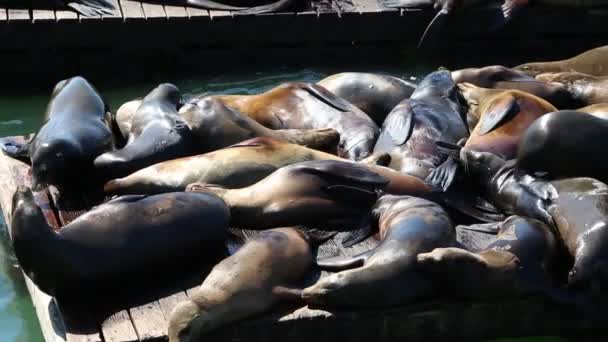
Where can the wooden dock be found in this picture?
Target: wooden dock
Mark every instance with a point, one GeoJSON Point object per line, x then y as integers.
{"type": "Point", "coordinates": [146, 318]}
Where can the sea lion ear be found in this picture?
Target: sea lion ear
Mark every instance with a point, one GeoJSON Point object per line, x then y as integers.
{"type": "Point", "coordinates": [499, 111]}
{"type": "Point", "coordinates": [400, 127]}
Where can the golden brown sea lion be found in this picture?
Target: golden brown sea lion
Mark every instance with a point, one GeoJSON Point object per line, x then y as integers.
{"type": "Point", "coordinates": [600, 110]}
{"type": "Point", "coordinates": [247, 283]}
{"type": "Point", "coordinates": [215, 126]}
{"type": "Point", "coordinates": [593, 62]}
{"type": "Point", "coordinates": [236, 166]}
{"type": "Point", "coordinates": [310, 106]}
{"type": "Point", "coordinates": [375, 94]}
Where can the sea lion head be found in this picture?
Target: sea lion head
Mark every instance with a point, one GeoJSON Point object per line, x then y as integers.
{"type": "Point", "coordinates": [187, 321]}
{"type": "Point", "coordinates": [167, 92]}
{"type": "Point", "coordinates": [53, 162]}
{"type": "Point", "coordinates": [441, 84]}
{"type": "Point", "coordinates": [482, 166]}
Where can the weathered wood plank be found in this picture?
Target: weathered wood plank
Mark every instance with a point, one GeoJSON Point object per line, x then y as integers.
{"type": "Point", "coordinates": [175, 12]}
{"type": "Point", "coordinates": [131, 10]}
{"type": "Point", "coordinates": [153, 11]}
{"type": "Point", "coordinates": [3, 15]}
{"type": "Point", "coordinates": [168, 303]}
{"type": "Point", "coordinates": [119, 328]}
{"type": "Point", "coordinates": [43, 16]}
{"type": "Point", "coordinates": [197, 13]}
{"type": "Point", "coordinates": [215, 15]}
{"type": "Point", "coordinates": [149, 321]}
{"type": "Point", "coordinates": [65, 15]}
{"type": "Point", "coordinates": [18, 15]}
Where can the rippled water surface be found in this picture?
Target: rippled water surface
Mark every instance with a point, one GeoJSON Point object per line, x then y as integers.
{"type": "Point", "coordinates": [22, 114]}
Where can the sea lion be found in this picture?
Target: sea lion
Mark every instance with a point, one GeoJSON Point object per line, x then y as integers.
{"type": "Point", "coordinates": [124, 116]}
{"type": "Point", "coordinates": [592, 62]}
{"type": "Point", "coordinates": [249, 282]}
{"type": "Point", "coordinates": [521, 260]}
{"type": "Point", "coordinates": [236, 166]}
{"type": "Point", "coordinates": [565, 77]}
{"type": "Point", "coordinates": [386, 276]}
{"type": "Point", "coordinates": [238, 6]}
{"type": "Point", "coordinates": [435, 111]}
{"type": "Point", "coordinates": [586, 89]}
{"type": "Point", "coordinates": [500, 77]}
{"type": "Point", "coordinates": [564, 144]}
{"type": "Point", "coordinates": [324, 192]}
{"type": "Point", "coordinates": [87, 8]}
{"type": "Point", "coordinates": [375, 94]}
{"type": "Point", "coordinates": [310, 106]}
{"type": "Point", "coordinates": [77, 129]}
{"type": "Point", "coordinates": [158, 133]}
{"type": "Point", "coordinates": [215, 126]}
{"type": "Point", "coordinates": [599, 110]}
{"type": "Point", "coordinates": [119, 245]}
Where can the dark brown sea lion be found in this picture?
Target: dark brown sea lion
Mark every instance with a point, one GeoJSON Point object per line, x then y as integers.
{"type": "Point", "coordinates": [435, 111]}
{"type": "Point", "coordinates": [565, 144]}
{"type": "Point", "coordinates": [87, 8]}
{"type": "Point", "coordinates": [330, 193]}
{"type": "Point", "coordinates": [522, 260]}
{"type": "Point", "coordinates": [500, 77]}
{"type": "Point", "coordinates": [375, 94]}
{"type": "Point", "coordinates": [386, 276]}
{"type": "Point", "coordinates": [236, 166]}
{"type": "Point", "coordinates": [592, 62]}
{"type": "Point", "coordinates": [310, 106]}
{"type": "Point", "coordinates": [119, 245]}
{"type": "Point", "coordinates": [215, 126]}
{"type": "Point", "coordinates": [247, 283]}
{"type": "Point", "coordinates": [76, 130]}
{"type": "Point", "coordinates": [158, 133]}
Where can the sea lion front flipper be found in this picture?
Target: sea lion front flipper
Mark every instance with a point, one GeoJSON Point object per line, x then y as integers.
{"type": "Point", "coordinates": [490, 228]}
{"type": "Point", "coordinates": [499, 111]}
{"type": "Point", "coordinates": [212, 5]}
{"type": "Point", "coordinates": [342, 263]}
{"type": "Point", "coordinates": [442, 177]}
{"type": "Point", "coordinates": [15, 149]}
{"type": "Point", "coordinates": [400, 127]}
{"type": "Point", "coordinates": [366, 228]}
{"type": "Point", "coordinates": [92, 8]}
{"type": "Point", "coordinates": [269, 8]}
{"type": "Point", "coordinates": [327, 97]}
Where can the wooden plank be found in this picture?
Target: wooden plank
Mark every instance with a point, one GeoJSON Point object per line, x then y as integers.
{"type": "Point", "coordinates": [220, 15]}
{"type": "Point", "coordinates": [119, 328]}
{"type": "Point", "coordinates": [65, 15]}
{"type": "Point", "coordinates": [368, 6]}
{"type": "Point", "coordinates": [168, 303]}
{"type": "Point", "coordinates": [18, 15]}
{"type": "Point", "coordinates": [149, 321]}
{"type": "Point", "coordinates": [131, 10]}
{"type": "Point", "coordinates": [153, 11]}
{"type": "Point", "coordinates": [3, 15]}
{"type": "Point", "coordinates": [39, 16]}
{"type": "Point", "coordinates": [197, 13]}
{"type": "Point", "coordinates": [175, 12]}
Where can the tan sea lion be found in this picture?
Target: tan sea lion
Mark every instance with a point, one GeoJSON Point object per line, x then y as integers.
{"type": "Point", "coordinates": [236, 166]}
{"type": "Point", "coordinates": [330, 193]}
{"type": "Point", "coordinates": [592, 62]}
{"type": "Point", "coordinates": [386, 276]}
{"type": "Point", "coordinates": [124, 114]}
{"type": "Point", "coordinates": [375, 94]}
{"type": "Point", "coordinates": [117, 246]}
{"type": "Point", "coordinates": [599, 110]}
{"type": "Point", "coordinates": [215, 126]}
{"type": "Point", "coordinates": [247, 283]}
{"type": "Point", "coordinates": [310, 106]}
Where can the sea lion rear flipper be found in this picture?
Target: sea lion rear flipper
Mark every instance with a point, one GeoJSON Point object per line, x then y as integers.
{"type": "Point", "coordinates": [400, 127]}
{"type": "Point", "coordinates": [499, 111]}
{"type": "Point", "coordinates": [327, 97]}
{"type": "Point", "coordinates": [490, 228]}
{"type": "Point", "coordinates": [364, 231]}
{"type": "Point", "coordinates": [212, 5]}
{"type": "Point", "coordinates": [342, 263]}
{"type": "Point", "coordinates": [15, 149]}
{"type": "Point", "coordinates": [269, 8]}
{"type": "Point", "coordinates": [92, 8]}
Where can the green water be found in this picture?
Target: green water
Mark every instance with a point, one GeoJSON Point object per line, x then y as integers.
{"type": "Point", "coordinates": [22, 113]}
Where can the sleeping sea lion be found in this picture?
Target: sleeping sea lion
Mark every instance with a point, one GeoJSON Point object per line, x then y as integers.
{"type": "Point", "coordinates": [599, 110]}
{"type": "Point", "coordinates": [236, 166]}
{"type": "Point", "coordinates": [77, 128]}
{"type": "Point", "coordinates": [117, 246]}
{"type": "Point", "coordinates": [158, 133]}
{"type": "Point", "coordinates": [249, 282]}
{"type": "Point", "coordinates": [87, 8]}
{"type": "Point", "coordinates": [330, 193]}
{"type": "Point", "coordinates": [593, 62]}
{"type": "Point", "coordinates": [435, 111]}
{"type": "Point", "coordinates": [310, 106]}
{"type": "Point", "coordinates": [500, 77]}
{"type": "Point", "coordinates": [375, 94]}
{"type": "Point", "coordinates": [386, 276]}
{"type": "Point", "coordinates": [215, 126]}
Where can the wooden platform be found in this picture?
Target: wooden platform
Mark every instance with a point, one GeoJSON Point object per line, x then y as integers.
{"type": "Point", "coordinates": [146, 320]}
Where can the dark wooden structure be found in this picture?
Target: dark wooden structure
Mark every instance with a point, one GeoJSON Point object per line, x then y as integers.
{"type": "Point", "coordinates": [146, 320]}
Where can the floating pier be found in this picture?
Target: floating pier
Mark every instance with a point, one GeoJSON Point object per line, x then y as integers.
{"type": "Point", "coordinates": [145, 319]}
